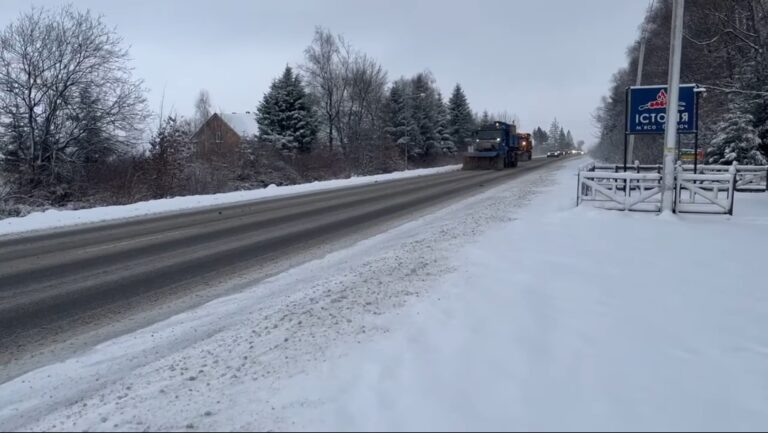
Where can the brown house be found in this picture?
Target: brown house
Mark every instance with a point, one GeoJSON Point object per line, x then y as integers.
{"type": "Point", "coordinates": [222, 134]}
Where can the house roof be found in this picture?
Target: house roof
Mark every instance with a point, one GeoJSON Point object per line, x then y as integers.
{"type": "Point", "coordinates": [243, 123]}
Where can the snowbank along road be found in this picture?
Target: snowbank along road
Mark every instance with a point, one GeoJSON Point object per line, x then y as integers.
{"type": "Point", "coordinates": [59, 289]}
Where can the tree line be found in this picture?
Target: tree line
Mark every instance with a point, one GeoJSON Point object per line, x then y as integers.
{"type": "Point", "coordinates": [724, 50]}
{"type": "Point", "coordinates": [75, 127]}
{"type": "Point", "coordinates": [555, 138]}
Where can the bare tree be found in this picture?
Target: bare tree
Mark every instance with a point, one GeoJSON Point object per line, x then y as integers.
{"type": "Point", "coordinates": [202, 108]}
{"type": "Point", "coordinates": [736, 23]}
{"type": "Point", "coordinates": [66, 93]}
{"type": "Point", "coordinates": [361, 120]}
{"type": "Point", "coordinates": [507, 117]}
{"type": "Point", "coordinates": [327, 71]}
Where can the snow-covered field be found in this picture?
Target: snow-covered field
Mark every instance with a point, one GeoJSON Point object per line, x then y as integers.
{"type": "Point", "coordinates": [511, 310]}
{"type": "Point", "coordinates": [61, 218]}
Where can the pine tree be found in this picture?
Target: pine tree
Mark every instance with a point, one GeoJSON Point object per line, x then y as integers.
{"type": "Point", "coordinates": [301, 119]}
{"type": "Point", "coordinates": [736, 139]}
{"type": "Point", "coordinates": [91, 144]}
{"type": "Point", "coordinates": [569, 143]}
{"type": "Point", "coordinates": [486, 119]}
{"type": "Point", "coordinates": [761, 124]}
{"type": "Point", "coordinates": [553, 136]}
{"type": "Point", "coordinates": [425, 115]}
{"type": "Point", "coordinates": [446, 143]}
{"type": "Point", "coordinates": [400, 125]}
{"type": "Point", "coordinates": [760, 111]}
{"type": "Point", "coordinates": [540, 138]}
{"type": "Point", "coordinates": [285, 117]}
{"type": "Point", "coordinates": [562, 140]}
{"type": "Point", "coordinates": [461, 121]}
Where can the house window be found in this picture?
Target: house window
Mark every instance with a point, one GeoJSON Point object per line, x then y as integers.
{"type": "Point", "coordinates": [218, 137]}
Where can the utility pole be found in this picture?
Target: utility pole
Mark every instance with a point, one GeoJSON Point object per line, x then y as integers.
{"type": "Point", "coordinates": [638, 82]}
{"type": "Point", "coordinates": [673, 99]}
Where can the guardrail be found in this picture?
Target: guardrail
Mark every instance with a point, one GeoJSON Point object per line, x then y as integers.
{"type": "Point", "coordinates": [621, 191]}
{"type": "Point", "coordinates": [749, 178]}
{"type": "Point", "coordinates": [705, 193]}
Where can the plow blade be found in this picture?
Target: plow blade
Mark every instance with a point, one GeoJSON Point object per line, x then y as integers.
{"type": "Point", "coordinates": [482, 163]}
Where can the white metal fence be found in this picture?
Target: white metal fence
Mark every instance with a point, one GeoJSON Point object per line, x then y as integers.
{"type": "Point", "coordinates": [705, 193]}
{"type": "Point", "coordinates": [711, 190]}
{"type": "Point", "coordinates": [621, 191]}
{"type": "Point", "coordinates": [748, 177]}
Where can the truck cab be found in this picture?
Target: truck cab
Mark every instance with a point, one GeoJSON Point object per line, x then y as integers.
{"type": "Point", "coordinates": [496, 145]}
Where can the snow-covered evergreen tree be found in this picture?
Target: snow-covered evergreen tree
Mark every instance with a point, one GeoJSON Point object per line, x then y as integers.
{"type": "Point", "coordinates": [301, 118]}
{"type": "Point", "coordinates": [761, 126]}
{"type": "Point", "coordinates": [285, 117]}
{"type": "Point", "coordinates": [91, 145]}
{"type": "Point", "coordinates": [485, 119]}
{"type": "Point", "coordinates": [540, 138]}
{"type": "Point", "coordinates": [417, 117]}
{"type": "Point", "coordinates": [760, 110]}
{"type": "Point", "coordinates": [400, 125]}
{"type": "Point", "coordinates": [736, 139]}
{"type": "Point", "coordinates": [446, 143]}
{"type": "Point", "coordinates": [425, 114]}
{"type": "Point", "coordinates": [553, 136]}
{"type": "Point", "coordinates": [461, 121]}
{"type": "Point", "coordinates": [562, 140]}
{"type": "Point", "coordinates": [569, 143]}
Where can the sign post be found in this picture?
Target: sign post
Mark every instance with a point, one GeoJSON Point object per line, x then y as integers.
{"type": "Point", "coordinates": [626, 127]}
{"type": "Point", "coordinates": [671, 131]}
{"type": "Point", "coordinates": [698, 91]}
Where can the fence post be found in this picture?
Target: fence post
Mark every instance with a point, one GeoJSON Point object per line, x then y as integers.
{"type": "Point", "coordinates": [626, 191]}
{"type": "Point", "coordinates": [678, 186]}
{"type": "Point", "coordinates": [637, 166]}
{"type": "Point", "coordinates": [578, 190]}
{"type": "Point", "coordinates": [766, 178]}
{"type": "Point", "coordinates": [732, 189]}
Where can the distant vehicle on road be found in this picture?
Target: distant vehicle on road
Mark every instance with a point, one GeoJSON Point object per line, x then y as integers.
{"type": "Point", "coordinates": [554, 154]}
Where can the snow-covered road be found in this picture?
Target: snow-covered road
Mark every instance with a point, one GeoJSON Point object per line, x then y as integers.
{"type": "Point", "coordinates": [511, 310]}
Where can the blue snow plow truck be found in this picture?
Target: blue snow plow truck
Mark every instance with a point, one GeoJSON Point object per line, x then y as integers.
{"type": "Point", "coordinates": [497, 146]}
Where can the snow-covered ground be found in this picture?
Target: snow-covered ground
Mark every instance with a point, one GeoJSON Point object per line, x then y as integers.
{"type": "Point", "coordinates": [61, 218]}
{"type": "Point", "coordinates": [511, 310]}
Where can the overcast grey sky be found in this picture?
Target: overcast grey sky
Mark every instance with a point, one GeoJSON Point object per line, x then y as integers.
{"type": "Point", "coordinates": [535, 58]}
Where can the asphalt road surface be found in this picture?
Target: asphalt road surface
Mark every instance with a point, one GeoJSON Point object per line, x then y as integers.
{"type": "Point", "coordinates": [60, 290]}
